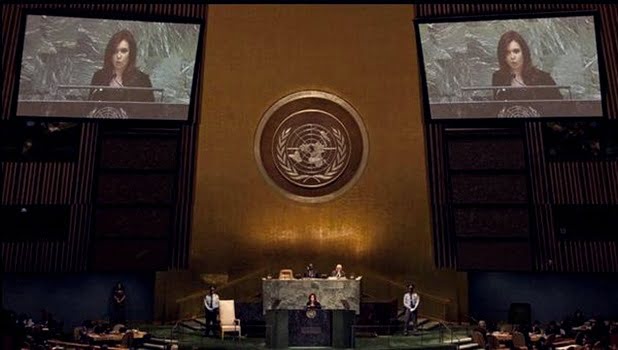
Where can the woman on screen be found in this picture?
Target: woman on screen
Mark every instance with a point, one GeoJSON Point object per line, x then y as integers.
{"type": "Point", "coordinates": [517, 71]}
{"type": "Point", "coordinates": [119, 71]}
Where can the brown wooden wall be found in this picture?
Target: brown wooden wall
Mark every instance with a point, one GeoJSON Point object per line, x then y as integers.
{"type": "Point", "coordinates": [73, 183]}
{"type": "Point", "coordinates": [550, 183]}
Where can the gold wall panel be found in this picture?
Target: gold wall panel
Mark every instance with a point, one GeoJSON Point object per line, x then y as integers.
{"type": "Point", "coordinates": [366, 54]}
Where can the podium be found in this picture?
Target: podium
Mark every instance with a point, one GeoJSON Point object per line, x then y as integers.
{"type": "Point", "coordinates": [103, 109]}
{"type": "Point", "coordinates": [290, 324]}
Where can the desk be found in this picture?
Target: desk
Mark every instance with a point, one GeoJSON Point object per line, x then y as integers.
{"type": "Point", "coordinates": [507, 337]}
{"type": "Point", "coordinates": [112, 337]}
{"type": "Point", "coordinates": [71, 345]}
{"type": "Point", "coordinates": [333, 294]}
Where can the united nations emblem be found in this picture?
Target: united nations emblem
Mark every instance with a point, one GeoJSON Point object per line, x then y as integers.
{"type": "Point", "coordinates": [518, 111]}
{"type": "Point", "coordinates": [311, 145]}
{"type": "Point", "coordinates": [108, 113]}
{"type": "Point", "coordinates": [311, 313]}
{"type": "Point", "coordinates": [311, 155]}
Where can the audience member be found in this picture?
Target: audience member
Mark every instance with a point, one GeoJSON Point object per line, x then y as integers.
{"type": "Point", "coordinates": [481, 328]}
{"type": "Point", "coordinates": [536, 327]}
{"type": "Point", "coordinates": [79, 333]}
{"type": "Point", "coordinates": [567, 325]}
{"type": "Point", "coordinates": [578, 318]}
{"type": "Point", "coordinates": [599, 332]}
{"type": "Point", "coordinates": [552, 328]}
{"type": "Point", "coordinates": [525, 330]}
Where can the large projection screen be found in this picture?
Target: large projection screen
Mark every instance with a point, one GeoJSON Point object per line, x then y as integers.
{"type": "Point", "coordinates": [526, 67]}
{"type": "Point", "coordinates": [108, 68]}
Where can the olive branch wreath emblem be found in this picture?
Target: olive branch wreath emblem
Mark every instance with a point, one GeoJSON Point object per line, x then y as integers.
{"type": "Point", "coordinates": [331, 171]}
{"type": "Point", "coordinates": [108, 113]}
{"type": "Point", "coordinates": [518, 111]}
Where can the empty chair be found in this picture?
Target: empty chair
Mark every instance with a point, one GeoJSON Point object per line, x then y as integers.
{"type": "Point", "coordinates": [613, 340]}
{"type": "Point", "coordinates": [227, 317]}
{"type": "Point", "coordinates": [549, 341]}
{"type": "Point", "coordinates": [506, 327]}
{"type": "Point", "coordinates": [493, 343]}
{"type": "Point", "coordinates": [478, 338]}
{"type": "Point", "coordinates": [519, 341]}
{"type": "Point", "coordinates": [286, 274]}
{"type": "Point", "coordinates": [127, 340]}
{"type": "Point", "coordinates": [579, 338]}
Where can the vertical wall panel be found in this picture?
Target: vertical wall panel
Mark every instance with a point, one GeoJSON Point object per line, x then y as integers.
{"type": "Point", "coordinates": [444, 249]}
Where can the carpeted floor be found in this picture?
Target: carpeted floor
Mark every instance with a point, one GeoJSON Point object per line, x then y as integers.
{"type": "Point", "coordinates": [188, 339]}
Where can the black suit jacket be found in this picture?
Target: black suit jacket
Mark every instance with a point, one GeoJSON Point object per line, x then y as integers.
{"type": "Point", "coordinates": [134, 78]}
{"type": "Point", "coordinates": [311, 274]}
{"type": "Point", "coordinates": [334, 273]}
{"type": "Point", "coordinates": [533, 77]}
{"type": "Point", "coordinates": [317, 305]}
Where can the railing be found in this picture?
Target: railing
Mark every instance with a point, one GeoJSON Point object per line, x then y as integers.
{"type": "Point", "coordinates": [443, 323]}
{"type": "Point", "coordinates": [385, 337]}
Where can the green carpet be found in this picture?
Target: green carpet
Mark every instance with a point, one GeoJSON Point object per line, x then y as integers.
{"type": "Point", "coordinates": [188, 339]}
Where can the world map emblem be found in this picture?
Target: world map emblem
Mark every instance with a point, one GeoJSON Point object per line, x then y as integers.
{"type": "Point", "coordinates": [311, 146]}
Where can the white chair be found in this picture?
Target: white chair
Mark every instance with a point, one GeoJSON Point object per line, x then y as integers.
{"type": "Point", "coordinates": [478, 338]}
{"type": "Point", "coordinates": [519, 341]}
{"type": "Point", "coordinates": [286, 274]}
{"type": "Point", "coordinates": [227, 317]}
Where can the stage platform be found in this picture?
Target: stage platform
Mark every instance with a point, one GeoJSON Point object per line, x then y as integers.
{"type": "Point", "coordinates": [437, 338]}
